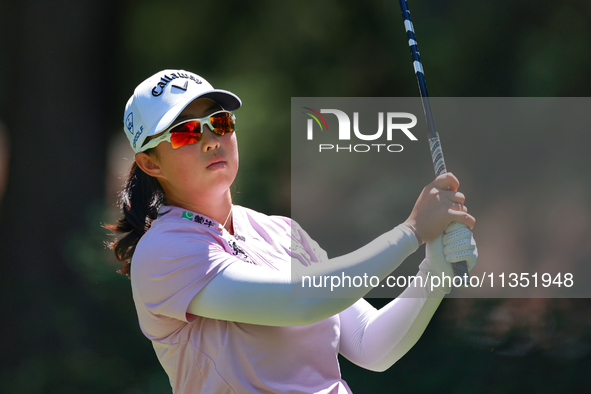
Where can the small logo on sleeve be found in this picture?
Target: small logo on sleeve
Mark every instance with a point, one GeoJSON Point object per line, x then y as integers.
{"type": "Point", "coordinates": [187, 215]}
{"type": "Point", "coordinates": [238, 252]}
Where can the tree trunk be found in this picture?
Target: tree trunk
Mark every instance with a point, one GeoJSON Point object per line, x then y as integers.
{"type": "Point", "coordinates": [56, 81]}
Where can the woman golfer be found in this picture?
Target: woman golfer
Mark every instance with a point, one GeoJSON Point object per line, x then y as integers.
{"type": "Point", "coordinates": [212, 281]}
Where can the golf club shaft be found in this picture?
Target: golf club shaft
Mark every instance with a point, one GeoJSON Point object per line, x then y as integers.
{"type": "Point", "coordinates": [460, 268]}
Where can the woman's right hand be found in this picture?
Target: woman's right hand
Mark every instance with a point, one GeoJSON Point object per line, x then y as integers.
{"type": "Point", "coordinates": [437, 207]}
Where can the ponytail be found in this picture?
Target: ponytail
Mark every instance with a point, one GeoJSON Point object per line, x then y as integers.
{"type": "Point", "coordinates": [141, 198]}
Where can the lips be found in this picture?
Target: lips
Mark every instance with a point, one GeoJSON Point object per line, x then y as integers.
{"type": "Point", "coordinates": [216, 162]}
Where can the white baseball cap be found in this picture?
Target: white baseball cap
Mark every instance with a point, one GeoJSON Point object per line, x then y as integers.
{"type": "Point", "coordinates": [158, 101]}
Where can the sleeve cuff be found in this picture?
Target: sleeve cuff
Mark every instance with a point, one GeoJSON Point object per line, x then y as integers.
{"type": "Point", "coordinates": [409, 237]}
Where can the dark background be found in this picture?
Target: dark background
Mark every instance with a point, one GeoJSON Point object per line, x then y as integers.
{"type": "Point", "coordinates": [68, 67]}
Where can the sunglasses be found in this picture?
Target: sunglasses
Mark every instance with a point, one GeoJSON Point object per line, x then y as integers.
{"type": "Point", "coordinates": [189, 132]}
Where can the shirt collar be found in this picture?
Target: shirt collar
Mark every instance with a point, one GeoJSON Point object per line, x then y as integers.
{"type": "Point", "coordinates": [197, 218]}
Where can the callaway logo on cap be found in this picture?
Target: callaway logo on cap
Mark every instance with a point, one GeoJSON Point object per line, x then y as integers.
{"type": "Point", "coordinates": [158, 100]}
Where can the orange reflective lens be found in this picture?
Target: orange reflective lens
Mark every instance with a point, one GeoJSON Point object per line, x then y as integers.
{"type": "Point", "coordinates": [189, 132]}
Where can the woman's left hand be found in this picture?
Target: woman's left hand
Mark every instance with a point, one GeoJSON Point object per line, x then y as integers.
{"type": "Point", "coordinates": [454, 245]}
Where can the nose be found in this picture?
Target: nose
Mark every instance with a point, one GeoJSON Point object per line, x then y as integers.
{"type": "Point", "coordinates": [209, 140]}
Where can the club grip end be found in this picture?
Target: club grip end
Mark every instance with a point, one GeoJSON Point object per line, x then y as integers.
{"type": "Point", "coordinates": [461, 270]}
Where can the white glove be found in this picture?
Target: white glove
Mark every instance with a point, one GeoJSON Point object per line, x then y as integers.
{"type": "Point", "coordinates": [455, 244]}
{"type": "Point", "coordinates": [460, 245]}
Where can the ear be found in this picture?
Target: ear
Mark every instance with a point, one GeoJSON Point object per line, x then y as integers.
{"type": "Point", "coordinates": [148, 164]}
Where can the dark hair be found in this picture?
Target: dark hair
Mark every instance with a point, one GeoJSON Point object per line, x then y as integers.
{"type": "Point", "coordinates": [141, 198]}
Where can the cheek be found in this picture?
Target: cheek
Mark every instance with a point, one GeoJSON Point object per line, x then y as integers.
{"type": "Point", "coordinates": [230, 149]}
{"type": "Point", "coordinates": [176, 165]}
{"type": "Point", "coordinates": [234, 145]}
